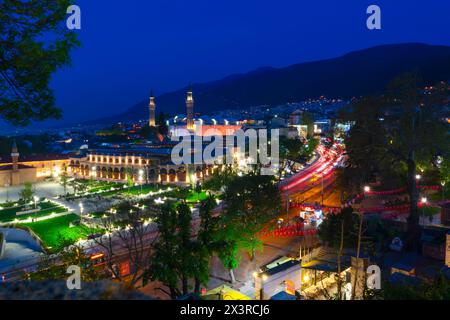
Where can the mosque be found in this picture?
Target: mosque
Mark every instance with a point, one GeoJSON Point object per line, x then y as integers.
{"type": "Point", "coordinates": [147, 163]}
{"type": "Point", "coordinates": [181, 124]}
{"type": "Point", "coordinates": [152, 163]}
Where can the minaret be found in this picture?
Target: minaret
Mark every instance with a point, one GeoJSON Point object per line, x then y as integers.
{"type": "Point", "coordinates": [151, 108]}
{"type": "Point", "coordinates": [15, 157]}
{"type": "Point", "coordinates": [190, 109]}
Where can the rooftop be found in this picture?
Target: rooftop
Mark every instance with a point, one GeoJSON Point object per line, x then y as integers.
{"type": "Point", "coordinates": [35, 158]}
{"type": "Point", "coordinates": [9, 167]}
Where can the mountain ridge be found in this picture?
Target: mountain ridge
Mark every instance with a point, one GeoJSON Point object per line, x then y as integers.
{"type": "Point", "coordinates": [356, 73]}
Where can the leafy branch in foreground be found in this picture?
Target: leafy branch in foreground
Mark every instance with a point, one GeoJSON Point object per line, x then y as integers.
{"type": "Point", "coordinates": [34, 43]}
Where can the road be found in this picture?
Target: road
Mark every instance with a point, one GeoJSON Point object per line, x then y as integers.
{"type": "Point", "coordinates": [308, 185]}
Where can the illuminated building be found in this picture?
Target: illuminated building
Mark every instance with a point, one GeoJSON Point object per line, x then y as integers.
{"type": "Point", "coordinates": [284, 274]}
{"type": "Point", "coordinates": [182, 125]}
{"type": "Point", "coordinates": [143, 165]}
{"type": "Point", "coordinates": [30, 168]}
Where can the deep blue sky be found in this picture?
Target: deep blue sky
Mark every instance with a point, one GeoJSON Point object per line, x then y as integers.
{"type": "Point", "coordinates": [129, 47]}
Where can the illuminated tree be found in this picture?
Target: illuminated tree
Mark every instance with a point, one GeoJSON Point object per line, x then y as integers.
{"type": "Point", "coordinates": [250, 203]}
{"type": "Point", "coordinates": [26, 194]}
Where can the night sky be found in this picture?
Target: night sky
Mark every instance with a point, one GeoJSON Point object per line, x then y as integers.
{"type": "Point", "coordinates": [129, 47]}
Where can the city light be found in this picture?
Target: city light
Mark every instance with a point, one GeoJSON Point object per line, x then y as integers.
{"type": "Point", "coordinates": [189, 185]}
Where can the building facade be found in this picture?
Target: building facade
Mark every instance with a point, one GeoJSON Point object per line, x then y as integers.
{"type": "Point", "coordinates": [142, 166]}
{"type": "Point", "coordinates": [16, 170]}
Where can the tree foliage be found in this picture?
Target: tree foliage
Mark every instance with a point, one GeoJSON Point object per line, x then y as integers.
{"type": "Point", "coordinates": [70, 254]}
{"type": "Point", "coordinates": [394, 133]}
{"type": "Point", "coordinates": [26, 194]}
{"type": "Point", "coordinates": [328, 229]}
{"type": "Point", "coordinates": [163, 263]}
{"type": "Point", "coordinates": [220, 179]}
{"type": "Point", "coordinates": [437, 289]}
{"type": "Point", "coordinates": [250, 203]}
{"type": "Point", "coordinates": [34, 43]}
{"type": "Point", "coordinates": [178, 257]}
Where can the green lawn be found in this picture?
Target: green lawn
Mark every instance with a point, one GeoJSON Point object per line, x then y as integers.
{"type": "Point", "coordinates": [9, 204]}
{"type": "Point", "coordinates": [134, 191]}
{"type": "Point", "coordinates": [47, 208]}
{"type": "Point", "coordinates": [54, 231]}
{"type": "Point", "coordinates": [197, 196]}
{"type": "Point", "coordinates": [104, 186]}
{"type": "Point", "coordinates": [187, 194]}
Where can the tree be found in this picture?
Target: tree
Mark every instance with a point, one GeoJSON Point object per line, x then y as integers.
{"type": "Point", "coordinates": [308, 121]}
{"type": "Point", "coordinates": [228, 254]}
{"type": "Point", "coordinates": [64, 180]}
{"type": "Point", "coordinates": [444, 170]}
{"type": "Point", "coordinates": [185, 245]}
{"type": "Point", "coordinates": [162, 125]}
{"type": "Point", "coordinates": [75, 186]}
{"type": "Point", "coordinates": [250, 203]}
{"type": "Point", "coordinates": [177, 256]}
{"type": "Point", "coordinates": [70, 254]}
{"type": "Point", "coordinates": [26, 194]}
{"type": "Point", "coordinates": [163, 265]}
{"type": "Point", "coordinates": [437, 289]}
{"type": "Point", "coordinates": [204, 246]}
{"type": "Point", "coordinates": [340, 231]}
{"type": "Point", "coordinates": [220, 179]}
{"type": "Point", "coordinates": [27, 62]}
{"type": "Point", "coordinates": [291, 148]}
{"type": "Point", "coordinates": [126, 235]}
{"type": "Point", "coordinates": [395, 133]}
{"type": "Point", "coordinates": [129, 173]}
{"type": "Point", "coordinates": [332, 222]}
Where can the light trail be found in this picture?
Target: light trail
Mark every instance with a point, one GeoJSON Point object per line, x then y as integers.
{"type": "Point", "coordinates": [324, 166]}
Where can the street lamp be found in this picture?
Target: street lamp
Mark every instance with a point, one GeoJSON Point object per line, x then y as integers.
{"type": "Point", "coordinates": [193, 180]}
{"type": "Point", "coordinates": [443, 189]}
{"type": "Point", "coordinates": [418, 177]}
{"type": "Point", "coordinates": [35, 198]}
{"type": "Point", "coordinates": [141, 178]}
{"type": "Point", "coordinates": [93, 172]}
{"type": "Point", "coordinates": [423, 201]}
{"type": "Point", "coordinates": [366, 189]}
{"type": "Point", "coordinates": [81, 211]}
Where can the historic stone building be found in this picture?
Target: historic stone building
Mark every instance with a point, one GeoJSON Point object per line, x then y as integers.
{"type": "Point", "coordinates": [148, 164]}
{"type": "Point", "coordinates": [142, 165]}
{"type": "Point", "coordinates": [15, 171]}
